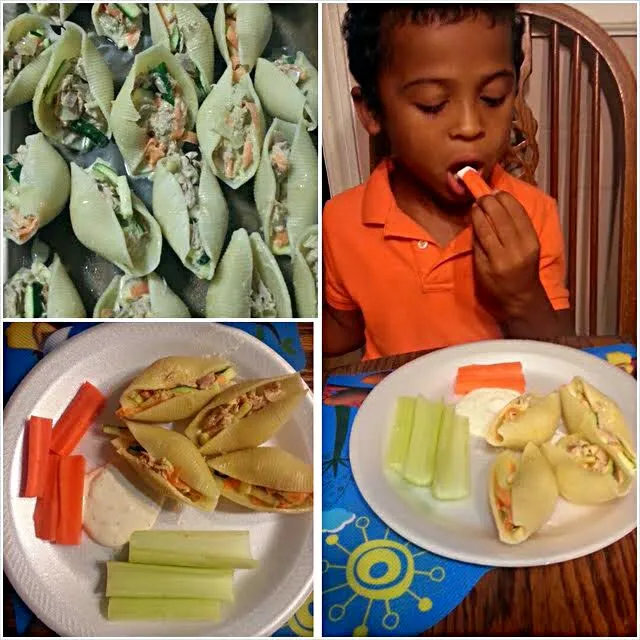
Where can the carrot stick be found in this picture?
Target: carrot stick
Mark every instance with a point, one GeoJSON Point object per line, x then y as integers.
{"type": "Point", "coordinates": [38, 434]}
{"type": "Point", "coordinates": [45, 516]}
{"type": "Point", "coordinates": [71, 486]}
{"type": "Point", "coordinates": [487, 370]}
{"type": "Point", "coordinates": [76, 419]}
{"type": "Point", "coordinates": [503, 375]}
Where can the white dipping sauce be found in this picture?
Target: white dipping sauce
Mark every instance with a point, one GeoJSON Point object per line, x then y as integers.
{"type": "Point", "coordinates": [114, 508]}
{"type": "Point", "coordinates": [481, 406]}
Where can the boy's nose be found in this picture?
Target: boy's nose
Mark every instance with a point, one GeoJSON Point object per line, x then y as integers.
{"type": "Point", "coordinates": [468, 125]}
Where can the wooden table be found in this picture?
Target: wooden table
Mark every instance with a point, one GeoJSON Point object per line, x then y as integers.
{"type": "Point", "coordinates": [37, 628]}
{"type": "Point", "coordinates": [591, 596]}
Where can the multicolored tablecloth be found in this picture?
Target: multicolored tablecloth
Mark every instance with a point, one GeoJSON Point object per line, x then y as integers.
{"type": "Point", "coordinates": [374, 582]}
{"type": "Point", "coordinates": [26, 343]}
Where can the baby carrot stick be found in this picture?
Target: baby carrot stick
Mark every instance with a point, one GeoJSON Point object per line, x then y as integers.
{"type": "Point", "coordinates": [71, 486]}
{"type": "Point", "coordinates": [474, 182]}
{"type": "Point", "coordinates": [76, 419]}
{"type": "Point", "coordinates": [38, 434]}
{"type": "Point", "coordinates": [504, 375]}
{"type": "Point", "coordinates": [45, 516]}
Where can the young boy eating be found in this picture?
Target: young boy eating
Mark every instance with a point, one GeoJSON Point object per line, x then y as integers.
{"type": "Point", "coordinates": [411, 260]}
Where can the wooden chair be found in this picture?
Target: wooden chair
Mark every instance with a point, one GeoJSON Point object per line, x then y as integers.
{"type": "Point", "coordinates": [589, 43]}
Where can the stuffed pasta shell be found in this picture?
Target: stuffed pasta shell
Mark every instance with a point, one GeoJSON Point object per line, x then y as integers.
{"type": "Point", "coordinates": [286, 186]}
{"type": "Point", "coordinates": [112, 221]}
{"type": "Point", "coordinates": [248, 282]}
{"type": "Point", "coordinates": [192, 212]}
{"type": "Point", "coordinates": [72, 101]}
{"type": "Point", "coordinates": [288, 88]}
{"type": "Point", "coordinates": [54, 12]}
{"type": "Point", "coordinates": [155, 111]}
{"type": "Point", "coordinates": [36, 187]}
{"type": "Point", "coordinates": [230, 129]}
{"type": "Point", "coordinates": [305, 273]}
{"type": "Point", "coordinates": [121, 23]}
{"type": "Point", "coordinates": [42, 291]}
{"type": "Point", "coordinates": [183, 29]}
{"type": "Point", "coordinates": [27, 49]}
{"type": "Point", "coordinates": [139, 297]}
{"type": "Point", "coordinates": [242, 32]}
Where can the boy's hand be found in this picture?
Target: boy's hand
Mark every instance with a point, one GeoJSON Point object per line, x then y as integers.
{"type": "Point", "coordinates": [506, 254]}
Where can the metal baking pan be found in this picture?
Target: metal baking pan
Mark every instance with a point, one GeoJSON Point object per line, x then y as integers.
{"type": "Point", "coordinates": [295, 28]}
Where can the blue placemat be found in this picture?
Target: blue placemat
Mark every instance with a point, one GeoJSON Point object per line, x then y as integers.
{"type": "Point", "coordinates": [374, 582]}
{"type": "Point", "coordinates": [26, 343]}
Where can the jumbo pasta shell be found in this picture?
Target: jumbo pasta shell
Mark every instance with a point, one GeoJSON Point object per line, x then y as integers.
{"type": "Point", "coordinates": [171, 211]}
{"type": "Point", "coordinates": [64, 10]}
{"type": "Point", "coordinates": [97, 25]}
{"type": "Point", "coordinates": [210, 125]}
{"type": "Point", "coordinates": [282, 98]}
{"type": "Point", "coordinates": [164, 302]}
{"type": "Point", "coordinates": [536, 423]}
{"type": "Point", "coordinates": [579, 398]}
{"type": "Point", "coordinates": [44, 184]}
{"type": "Point", "coordinates": [255, 429]}
{"type": "Point", "coordinates": [129, 136]}
{"type": "Point", "coordinates": [181, 453]}
{"type": "Point", "coordinates": [74, 43]}
{"type": "Point", "coordinates": [23, 86]}
{"type": "Point", "coordinates": [305, 282]}
{"type": "Point", "coordinates": [254, 24]}
{"type": "Point", "coordinates": [198, 37]}
{"type": "Point", "coordinates": [171, 372]}
{"type": "Point", "coordinates": [266, 268]}
{"type": "Point", "coordinates": [581, 485]}
{"type": "Point", "coordinates": [301, 184]}
{"type": "Point", "coordinates": [64, 300]}
{"type": "Point", "coordinates": [534, 493]}
{"type": "Point", "coordinates": [269, 467]}
{"type": "Point", "coordinates": [96, 225]}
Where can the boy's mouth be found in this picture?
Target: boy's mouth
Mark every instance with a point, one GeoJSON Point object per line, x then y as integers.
{"type": "Point", "coordinates": [456, 186]}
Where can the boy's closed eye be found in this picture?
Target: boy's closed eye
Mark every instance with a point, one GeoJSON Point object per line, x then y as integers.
{"type": "Point", "coordinates": [433, 109]}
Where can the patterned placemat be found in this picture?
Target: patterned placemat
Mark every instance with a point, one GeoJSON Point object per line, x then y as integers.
{"type": "Point", "coordinates": [374, 582]}
{"type": "Point", "coordinates": [26, 343]}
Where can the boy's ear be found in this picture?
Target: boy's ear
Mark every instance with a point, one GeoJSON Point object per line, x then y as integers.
{"type": "Point", "coordinates": [368, 118]}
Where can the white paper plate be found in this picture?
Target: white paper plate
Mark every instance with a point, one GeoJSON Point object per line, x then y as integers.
{"type": "Point", "coordinates": [64, 586]}
{"type": "Point", "coordinates": [464, 530]}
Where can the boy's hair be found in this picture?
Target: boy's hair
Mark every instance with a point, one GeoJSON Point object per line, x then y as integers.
{"type": "Point", "coordinates": [365, 29]}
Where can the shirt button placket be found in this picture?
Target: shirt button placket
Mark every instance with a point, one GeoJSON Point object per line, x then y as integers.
{"type": "Point", "coordinates": [424, 275]}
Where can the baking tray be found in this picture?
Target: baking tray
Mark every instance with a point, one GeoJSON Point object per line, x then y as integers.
{"type": "Point", "coordinates": [295, 27]}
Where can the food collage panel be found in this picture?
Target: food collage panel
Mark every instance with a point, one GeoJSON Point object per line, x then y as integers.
{"type": "Point", "coordinates": [160, 165]}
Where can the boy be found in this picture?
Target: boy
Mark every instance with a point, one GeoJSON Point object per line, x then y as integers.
{"type": "Point", "coordinates": [411, 262]}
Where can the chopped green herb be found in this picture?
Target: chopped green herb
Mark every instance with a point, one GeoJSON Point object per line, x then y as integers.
{"type": "Point", "coordinates": [13, 166]}
{"type": "Point", "coordinates": [87, 130]}
{"type": "Point", "coordinates": [163, 73]}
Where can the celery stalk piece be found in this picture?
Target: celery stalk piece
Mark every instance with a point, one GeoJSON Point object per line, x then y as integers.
{"type": "Point", "coordinates": [400, 433]}
{"type": "Point", "coordinates": [419, 464]}
{"type": "Point", "coordinates": [163, 609]}
{"type": "Point", "coordinates": [205, 549]}
{"type": "Point", "coordinates": [452, 476]}
{"type": "Point", "coordinates": [129, 580]}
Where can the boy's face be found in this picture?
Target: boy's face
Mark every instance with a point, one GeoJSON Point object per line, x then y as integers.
{"type": "Point", "coordinates": [447, 94]}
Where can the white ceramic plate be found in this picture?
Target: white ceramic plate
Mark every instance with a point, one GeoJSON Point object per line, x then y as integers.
{"type": "Point", "coordinates": [464, 530]}
{"type": "Point", "coordinates": [64, 586]}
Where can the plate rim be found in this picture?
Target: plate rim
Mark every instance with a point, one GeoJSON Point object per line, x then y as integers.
{"type": "Point", "coordinates": [505, 345]}
{"type": "Point", "coordinates": [12, 546]}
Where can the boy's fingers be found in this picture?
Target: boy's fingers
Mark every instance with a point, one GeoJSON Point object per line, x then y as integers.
{"type": "Point", "coordinates": [484, 233]}
{"type": "Point", "coordinates": [501, 220]}
{"type": "Point", "coordinates": [518, 215]}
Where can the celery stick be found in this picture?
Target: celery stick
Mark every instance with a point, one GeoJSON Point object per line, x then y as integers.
{"type": "Point", "coordinates": [421, 455]}
{"type": "Point", "coordinates": [400, 433]}
{"type": "Point", "coordinates": [163, 609]}
{"type": "Point", "coordinates": [205, 549]}
{"type": "Point", "coordinates": [153, 581]}
{"type": "Point", "coordinates": [451, 480]}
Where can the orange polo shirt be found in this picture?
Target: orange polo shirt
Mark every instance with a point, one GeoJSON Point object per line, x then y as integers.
{"type": "Point", "coordinates": [412, 293]}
